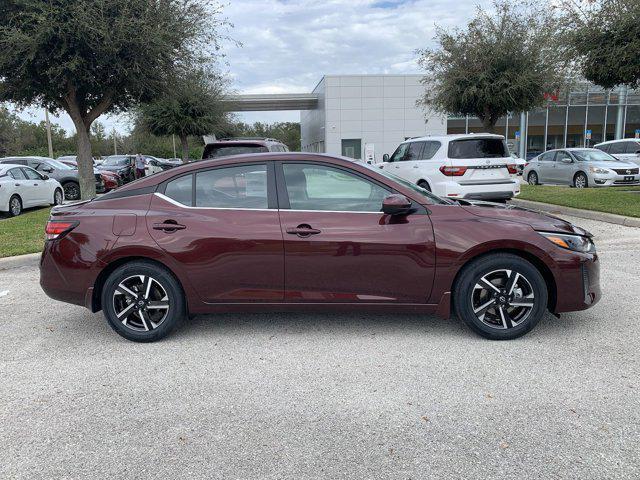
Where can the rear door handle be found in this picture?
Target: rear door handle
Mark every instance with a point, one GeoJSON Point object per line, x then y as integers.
{"type": "Point", "coordinates": [303, 231]}
{"type": "Point", "coordinates": [168, 226]}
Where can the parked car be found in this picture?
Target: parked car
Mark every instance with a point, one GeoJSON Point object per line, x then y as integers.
{"type": "Point", "coordinates": [580, 168]}
{"type": "Point", "coordinates": [157, 165]}
{"type": "Point", "coordinates": [627, 150]}
{"type": "Point", "coordinates": [110, 179]}
{"type": "Point", "coordinates": [22, 187]}
{"type": "Point", "coordinates": [66, 175]}
{"type": "Point", "coordinates": [519, 163]}
{"type": "Point", "coordinates": [285, 231]}
{"type": "Point", "coordinates": [225, 147]}
{"type": "Point", "coordinates": [120, 164]}
{"type": "Point", "coordinates": [457, 166]}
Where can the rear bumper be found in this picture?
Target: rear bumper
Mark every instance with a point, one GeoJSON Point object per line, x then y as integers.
{"type": "Point", "coordinates": [503, 189]}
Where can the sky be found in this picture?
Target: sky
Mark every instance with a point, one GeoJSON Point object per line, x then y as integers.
{"type": "Point", "coordinates": [286, 46]}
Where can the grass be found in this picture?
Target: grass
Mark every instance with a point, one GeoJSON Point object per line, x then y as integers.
{"type": "Point", "coordinates": [24, 233]}
{"type": "Point", "coordinates": [618, 200]}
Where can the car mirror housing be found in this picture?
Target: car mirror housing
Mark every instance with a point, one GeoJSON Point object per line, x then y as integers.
{"type": "Point", "coordinates": [566, 160]}
{"type": "Point", "coordinates": [45, 177]}
{"type": "Point", "coordinates": [385, 157]}
{"type": "Point", "coordinates": [396, 204]}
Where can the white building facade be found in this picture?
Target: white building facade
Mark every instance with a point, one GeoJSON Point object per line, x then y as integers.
{"type": "Point", "coordinates": [366, 116]}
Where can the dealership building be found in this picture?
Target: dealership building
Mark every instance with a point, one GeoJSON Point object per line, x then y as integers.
{"type": "Point", "coordinates": [366, 116]}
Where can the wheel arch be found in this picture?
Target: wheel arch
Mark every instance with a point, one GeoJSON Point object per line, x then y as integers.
{"type": "Point", "coordinates": [96, 297]}
{"type": "Point", "coordinates": [540, 265]}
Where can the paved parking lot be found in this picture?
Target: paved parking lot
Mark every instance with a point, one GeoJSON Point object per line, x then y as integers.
{"type": "Point", "coordinates": [333, 396]}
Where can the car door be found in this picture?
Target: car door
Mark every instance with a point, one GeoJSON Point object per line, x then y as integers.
{"type": "Point", "coordinates": [339, 247]}
{"type": "Point", "coordinates": [221, 226]}
{"type": "Point", "coordinates": [564, 168]}
{"type": "Point", "coordinates": [37, 187]}
{"type": "Point", "coordinates": [410, 164]}
{"type": "Point", "coordinates": [546, 166]}
{"type": "Point", "coordinates": [394, 164]}
{"type": "Point", "coordinates": [21, 186]}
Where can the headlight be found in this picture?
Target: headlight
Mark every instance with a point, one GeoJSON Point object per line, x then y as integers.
{"type": "Point", "coordinates": [598, 170]}
{"type": "Point", "coordinates": [577, 243]}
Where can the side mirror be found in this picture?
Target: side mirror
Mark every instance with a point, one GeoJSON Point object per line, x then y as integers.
{"type": "Point", "coordinates": [396, 204]}
{"type": "Point", "coordinates": [385, 157]}
{"type": "Point", "coordinates": [45, 177]}
{"type": "Point", "coordinates": [47, 169]}
{"type": "Point", "coordinates": [637, 152]}
{"type": "Point", "coordinates": [566, 160]}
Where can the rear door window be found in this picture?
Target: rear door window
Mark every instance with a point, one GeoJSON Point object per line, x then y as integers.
{"type": "Point", "coordinates": [180, 190]}
{"type": "Point", "coordinates": [31, 175]}
{"type": "Point", "coordinates": [618, 147]}
{"type": "Point", "coordinates": [632, 147]}
{"type": "Point", "coordinates": [233, 187]}
{"type": "Point", "coordinates": [478, 148]}
{"type": "Point", "coordinates": [547, 157]}
{"type": "Point", "coordinates": [17, 174]}
{"type": "Point", "coordinates": [429, 150]}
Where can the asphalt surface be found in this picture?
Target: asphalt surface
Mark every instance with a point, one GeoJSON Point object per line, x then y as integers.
{"type": "Point", "coordinates": [323, 396]}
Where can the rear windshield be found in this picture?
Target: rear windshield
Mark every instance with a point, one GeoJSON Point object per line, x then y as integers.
{"type": "Point", "coordinates": [478, 148]}
{"type": "Point", "coordinates": [215, 151]}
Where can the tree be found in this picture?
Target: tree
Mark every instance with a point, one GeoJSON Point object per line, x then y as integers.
{"type": "Point", "coordinates": [605, 37]}
{"type": "Point", "coordinates": [503, 61]}
{"type": "Point", "coordinates": [88, 57]}
{"type": "Point", "coordinates": [192, 106]}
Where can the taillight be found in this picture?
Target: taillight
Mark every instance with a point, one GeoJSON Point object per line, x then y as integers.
{"type": "Point", "coordinates": [512, 168]}
{"type": "Point", "coordinates": [55, 228]}
{"type": "Point", "coordinates": [453, 171]}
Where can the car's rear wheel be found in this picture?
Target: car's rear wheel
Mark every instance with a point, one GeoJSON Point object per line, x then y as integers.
{"type": "Point", "coordinates": [425, 185]}
{"type": "Point", "coordinates": [15, 206]}
{"type": "Point", "coordinates": [580, 180]}
{"type": "Point", "coordinates": [58, 197]}
{"type": "Point", "coordinates": [532, 178]}
{"type": "Point", "coordinates": [142, 301]}
{"type": "Point", "coordinates": [71, 191]}
{"type": "Point", "coordinates": [500, 296]}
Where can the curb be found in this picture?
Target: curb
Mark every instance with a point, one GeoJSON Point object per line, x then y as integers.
{"type": "Point", "coordinates": [29, 260]}
{"type": "Point", "coordinates": [578, 212]}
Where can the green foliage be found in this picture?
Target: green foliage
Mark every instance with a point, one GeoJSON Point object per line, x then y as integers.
{"type": "Point", "coordinates": [605, 37]}
{"type": "Point", "coordinates": [287, 132]}
{"type": "Point", "coordinates": [23, 234]}
{"type": "Point", "coordinates": [502, 61]}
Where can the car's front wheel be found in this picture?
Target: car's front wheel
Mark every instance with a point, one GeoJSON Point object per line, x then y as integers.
{"type": "Point", "coordinates": [142, 301]}
{"type": "Point", "coordinates": [500, 296]}
{"type": "Point", "coordinates": [580, 181]}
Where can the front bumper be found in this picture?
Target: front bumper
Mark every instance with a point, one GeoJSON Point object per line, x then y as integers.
{"type": "Point", "coordinates": [578, 285]}
{"type": "Point", "coordinates": [611, 180]}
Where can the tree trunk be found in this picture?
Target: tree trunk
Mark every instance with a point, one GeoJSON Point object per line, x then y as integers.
{"type": "Point", "coordinates": [85, 163]}
{"type": "Point", "coordinates": [184, 140]}
{"type": "Point", "coordinates": [489, 124]}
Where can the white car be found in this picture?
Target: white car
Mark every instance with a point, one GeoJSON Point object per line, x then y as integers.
{"type": "Point", "coordinates": [472, 166]}
{"type": "Point", "coordinates": [22, 187]}
{"type": "Point", "coordinates": [627, 150]}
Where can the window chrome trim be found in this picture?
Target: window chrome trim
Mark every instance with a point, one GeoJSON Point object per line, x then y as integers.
{"type": "Point", "coordinates": [178, 204]}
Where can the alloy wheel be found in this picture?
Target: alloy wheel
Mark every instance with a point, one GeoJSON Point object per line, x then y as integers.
{"type": "Point", "coordinates": [533, 179]}
{"type": "Point", "coordinates": [57, 198]}
{"type": "Point", "coordinates": [15, 206]}
{"type": "Point", "coordinates": [141, 303]}
{"type": "Point", "coordinates": [71, 191]}
{"type": "Point", "coordinates": [502, 299]}
{"type": "Point", "coordinates": [581, 181]}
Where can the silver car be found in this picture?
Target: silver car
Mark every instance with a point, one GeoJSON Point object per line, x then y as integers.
{"type": "Point", "coordinates": [580, 168]}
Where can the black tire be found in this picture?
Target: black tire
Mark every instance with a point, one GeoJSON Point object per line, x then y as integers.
{"type": "Point", "coordinates": [530, 287]}
{"type": "Point", "coordinates": [580, 180]}
{"type": "Point", "coordinates": [58, 197]}
{"type": "Point", "coordinates": [139, 327]}
{"type": "Point", "coordinates": [15, 206]}
{"type": "Point", "coordinates": [425, 185]}
{"type": "Point", "coordinates": [532, 178]}
{"type": "Point", "coordinates": [71, 191]}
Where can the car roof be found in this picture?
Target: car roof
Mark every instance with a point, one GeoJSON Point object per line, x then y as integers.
{"type": "Point", "coordinates": [454, 136]}
{"type": "Point", "coordinates": [254, 140]}
{"type": "Point", "coordinates": [7, 166]}
{"type": "Point", "coordinates": [637, 140]}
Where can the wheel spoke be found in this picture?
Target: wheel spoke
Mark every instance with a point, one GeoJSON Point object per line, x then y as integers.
{"type": "Point", "coordinates": [506, 319]}
{"type": "Point", "coordinates": [122, 289]}
{"type": "Point", "coordinates": [484, 283]}
{"type": "Point", "coordinates": [512, 280]}
{"type": "Point", "coordinates": [146, 322]}
{"type": "Point", "coordinates": [482, 309]}
{"type": "Point", "coordinates": [126, 311]}
{"type": "Point", "coordinates": [147, 288]}
{"type": "Point", "coordinates": [158, 305]}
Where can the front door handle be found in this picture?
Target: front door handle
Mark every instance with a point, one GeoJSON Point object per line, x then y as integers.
{"type": "Point", "coordinates": [168, 226]}
{"type": "Point", "coordinates": [303, 230]}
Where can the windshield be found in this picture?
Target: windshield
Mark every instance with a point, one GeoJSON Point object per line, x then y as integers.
{"type": "Point", "coordinates": [478, 148]}
{"type": "Point", "coordinates": [113, 160]}
{"type": "Point", "coordinates": [593, 156]}
{"type": "Point", "coordinates": [412, 186]}
{"type": "Point", "coordinates": [215, 151]}
{"type": "Point", "coordinates": [59, 165]}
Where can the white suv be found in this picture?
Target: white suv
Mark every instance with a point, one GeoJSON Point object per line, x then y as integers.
{"type": "Point", "coordinates": [473, 166]}
{"type": "Point", "coordinates": [627, 150]}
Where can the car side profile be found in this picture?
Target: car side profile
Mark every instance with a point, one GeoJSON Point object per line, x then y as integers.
{"type": "Point", "coordinates": [301, 232]}
{"type": "Point", "coordinates": [22, 187]}
{"type": "Point", "coordinates": [473, 166]}
{"type": "Point", "coordinates": [580, 168]}
{"type": "Point", "coordinates": [627, 149]}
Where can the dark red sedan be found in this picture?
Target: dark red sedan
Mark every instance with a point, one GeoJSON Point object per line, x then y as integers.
{"type": "Point", "coordinates": [297, 231]}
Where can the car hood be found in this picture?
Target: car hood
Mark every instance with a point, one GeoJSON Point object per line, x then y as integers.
{"type": "Point", "coordinates": [537, 220]}
{"type": "Point", "coordinates": [617, 165]}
